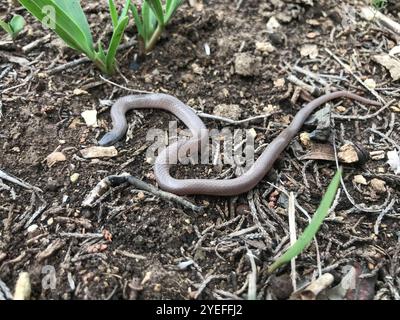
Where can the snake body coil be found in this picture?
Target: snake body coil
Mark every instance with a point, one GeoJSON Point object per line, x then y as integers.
{"type": "Point", "coordinates": [214, 187]}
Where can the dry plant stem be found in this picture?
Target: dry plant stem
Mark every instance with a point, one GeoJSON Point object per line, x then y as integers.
{"type": "Point", "coordinates": [154, 38]}
{"type": "Point", "coordinates": [348, 69]}
{"type": "Point", "coordinates": [79, 61]}
{"type": "Point", "coordinates": [115, 180]}
{"type": "Point", "coordinates": [17, 181]}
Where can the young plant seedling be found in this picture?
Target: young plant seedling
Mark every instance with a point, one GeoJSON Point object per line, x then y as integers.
{"type": "Point", "coordinates": [379, 4]}
{"type": "Point", "coordinates": [153, 20]}
{"type": "Point", "coordinates": [67, 19]}
{"type": "Point", "coordinates": [14, 27]}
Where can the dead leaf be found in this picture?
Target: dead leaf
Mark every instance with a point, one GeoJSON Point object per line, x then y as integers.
{"type": "Point", "coordinates": [55, 157]}
{"type": "Point", "coordinates": [390, 63]}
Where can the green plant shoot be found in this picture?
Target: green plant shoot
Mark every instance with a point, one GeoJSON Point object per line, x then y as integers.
{"type": "Point", "coordinates": [14, 27]}
{"type": "Point", "coordinates": [67, 19]}
{"type": "Point", "coordinates": [379, 4]}
{"type": "Point", "coordinates": [153, 20]}
{"type": "Point", "coordinates": [306, 237]}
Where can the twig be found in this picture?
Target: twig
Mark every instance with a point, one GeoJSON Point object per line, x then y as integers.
{"type": "Point", "coordinates": [230, 121]}
{"type": "Point", "coordinates": [115, 180]}
{"type": "Point", "coordinates": [315, 91]}
{"type": "Point", "coordinates": [30, 46]}
{"type": "Point", "coordinates": [382, 214]}
{"type": "Point", "coordinates": [123, 87]}
{"type": "Point", "coordinates": [293, 237]}
{"type": "Point", "coordinates": [365, 117]}
{"type": "Point", "coordinates": [130, 255]}
{"type": "Point", "coordinates": [252, 291]}
{"type": "Point", "coordinates": [370, 13]}
{"type": "Point", "coordinates": [348, 69]}
{"type": "Point", "coordinates": [206, 282]}
{"type": "Point", "coordinates": [79, 61]}
{"type": "Point", "coordinates": [18, 181]}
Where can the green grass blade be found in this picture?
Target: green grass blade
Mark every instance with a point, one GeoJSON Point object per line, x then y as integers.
{"type": "Point", "coordinates": [114, 43]}
{"type": "Point", "coordinates": [157, 9]}
{"type": "Point", "coordinates": [149, 21]}
{"type": "Point", "coordinates": [125, 10]}
{"type": "Point", "coordinates": [113, 13]}
{"type": "Point", "coordinates": [171, 7]}
{"type": "Point", "coordinates": [306, 237]}
{"type": "Point", "coordinates": [6, 27]}
{"type": "Point", "coordinates": [138, 21]}
{"type": "Point", "coordinates": [17, 24]}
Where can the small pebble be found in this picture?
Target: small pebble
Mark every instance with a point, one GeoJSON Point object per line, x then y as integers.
{"type": "Point", "coordinates": [378, 185]}
{"type": "Point", "coordinates": [74, 177]}
{"type": "Point", "coordinates": [359, 179]}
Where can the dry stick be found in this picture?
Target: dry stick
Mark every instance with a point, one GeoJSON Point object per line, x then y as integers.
{"type": "Point", "coordinates": [382, 214]}
{"type": "Point", "coordinates": [123, 87]}
{"type": "Point", "coordinates": [349, 197]}
{"type": "Point", "coordinates": [348, 69]}
{"type": "Point", "coordinates": [315, 91]}
{"type": "Point", "coordinates": [370, 14]}
{"type": "Point", "coordinates": [228, 120]}
{"type": "Point", "coordinates": [365, 117]}
{"type": "Point", "coordinates": [114, 180]}
{"type": "Point", "coordinates": [30, 46]}
{"type": "Point", "coordinates": [18, 181]}
{"type": "Point", "coordinates": [394, 143]}
{"type": "Point", "coordinates": [293, 237]}
{"type": "Point", "coordinates": [79, 61]}
{"type": "Point", "coordinates": [310, 74]}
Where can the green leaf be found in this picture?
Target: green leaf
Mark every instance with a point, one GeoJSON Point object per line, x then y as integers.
{"type": "Point", "coordinates": [157, 9]}
{"type": "Point", "coordinates": [149, 21]}
{"type": "Point", "coordinates": [125, 10]}
{"type": "Point", "coordinates": [138, 21]}
{"type": "Point", "coordinates": [306, 237]}
{"type": "Point", "coordinates": [72, 30]}
{"type": "Point", "coordinates": [113, 13]}
{"type": "Point", "coordinates": [171, 7]}
{"type": "Point", "coordinates": [74, 10]}
{"type": "Point", "coordinates": [6, 27]}
{"type": "Point", "coordinates": [114, 43]}
{"type": "Point", "coordinates": [17, 24]}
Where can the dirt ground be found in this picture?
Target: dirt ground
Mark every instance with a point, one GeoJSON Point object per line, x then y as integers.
{"type": "Point", "coordinates": [134, 245]}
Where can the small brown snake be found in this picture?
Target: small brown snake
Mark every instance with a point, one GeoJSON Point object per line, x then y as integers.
{"type": "Point", "coordinates": [214, 187]}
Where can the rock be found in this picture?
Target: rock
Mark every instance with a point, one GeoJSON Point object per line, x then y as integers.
{"type": "Point", "coordinates": [390, 63]}
{"type": "Point", "coordinates": [79, 92]}
{"type": "Point", "coordinates": [359, 179]}
{"type": "Point", "coordinates": [23, 287]}
{"type": "Point", "coordinates": [348, 154]}
{"type": "Point", "coordinates": [265, 47]}
{"type": "Point", "coordinates": [74, 177]}
{"type": "Point", "coordinates": [279, 83]}
{"type": "Point", "coordinates": [32, 228]}
{"type": "Point", "coordinates": [309, 50]}
{"type": "Point", "coordinates": [55, 157]}
{"type": "Point", "coordinates": [305, 139]}
{"type": "Point", "coordinates": [90, 117]}
{"type": "Point", "coordinates": [231, 111]}
{"type": "Point", "coordinates": [341, 109]}
{"type": "Point", "coordinates": [273, 25]}
{"type": "Point", "coordinates": [378, 185]}
{"type": "Point", "coordinates": [370, 83]}
{"type": "Point", "coordinates": [99, 152]}
{"type": "Point", "coordinates": [247, 65]}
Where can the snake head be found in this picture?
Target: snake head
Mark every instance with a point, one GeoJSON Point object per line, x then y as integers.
{"type": "Point", "coordinates": [108, 139]}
